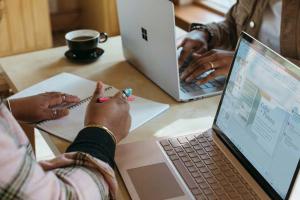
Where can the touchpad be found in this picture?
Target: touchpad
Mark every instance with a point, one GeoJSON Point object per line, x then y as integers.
{"type": "Point", "coordinates": [155, 182]}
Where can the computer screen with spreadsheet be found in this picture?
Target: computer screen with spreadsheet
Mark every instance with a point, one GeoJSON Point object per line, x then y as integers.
{"type": "Point", "coordinates": [260, 113]}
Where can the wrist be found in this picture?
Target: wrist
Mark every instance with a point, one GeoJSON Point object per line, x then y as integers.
{"type": "Point", "coordinates": [203, 30]}
{"type": "Point", "coordinates": [108, 131]}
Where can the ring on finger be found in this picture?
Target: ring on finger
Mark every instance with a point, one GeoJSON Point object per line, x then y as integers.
{"type": "Point", "coordinates": [212, 65]}
{"type": "Point", "coordinates": [54, 112]}
{"type": "Point", "coordinates": [63, 97]}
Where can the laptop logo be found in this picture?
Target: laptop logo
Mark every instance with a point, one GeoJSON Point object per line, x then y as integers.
{"type": "Point", "coordinates": [144, 34]}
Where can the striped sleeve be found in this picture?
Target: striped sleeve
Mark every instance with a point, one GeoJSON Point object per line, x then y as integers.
{"type": "Point", "coordinates": [69, 176]}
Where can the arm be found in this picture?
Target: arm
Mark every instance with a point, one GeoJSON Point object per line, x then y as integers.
{"type": "Point", "coordinates": [84, 172]}
{"type": "Point", "coordinates": [203, 38]}
{"type": "Point", "coordinates": [69, 176]}
{"type": "Point", "coordinates": [224, 34]}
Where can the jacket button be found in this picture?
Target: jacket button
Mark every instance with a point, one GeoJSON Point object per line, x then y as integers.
{"type": "Point", "coordinates": [252, 24]}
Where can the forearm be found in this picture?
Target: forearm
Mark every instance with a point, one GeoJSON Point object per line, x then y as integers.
{"type": "Point", "coordinates": [224, 33]}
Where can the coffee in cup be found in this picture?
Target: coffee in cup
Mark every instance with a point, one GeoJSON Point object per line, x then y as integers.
{"type": "Point", "coordinates": [84, 41]}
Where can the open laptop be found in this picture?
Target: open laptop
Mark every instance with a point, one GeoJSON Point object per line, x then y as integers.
{"type": "Point", "coordinates": [149, 44]}
{"type": "Point", "coordinates": [251, 152]}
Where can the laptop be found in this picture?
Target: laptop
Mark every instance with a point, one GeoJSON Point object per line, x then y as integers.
{"type": "Point", "coordinates": [251, 152]}
{"type": "Point", "coordinates": [149, 44]}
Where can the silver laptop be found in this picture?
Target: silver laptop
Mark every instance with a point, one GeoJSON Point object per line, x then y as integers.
{"type": "Point", "coordinates": [251, 152]}
{"type": "Point", "coordinates": [149, 44]}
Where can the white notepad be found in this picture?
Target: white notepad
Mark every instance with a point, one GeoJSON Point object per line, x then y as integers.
{"type": "Point", "coordinates": [141, 110]}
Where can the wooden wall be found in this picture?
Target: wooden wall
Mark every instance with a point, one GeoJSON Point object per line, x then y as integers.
{"type": "Point", "coordinates": [65, 14]}
{"type": "Point", "coordinates": [100, 15]}
{"type": "Point", "coordinates": [25, 26]}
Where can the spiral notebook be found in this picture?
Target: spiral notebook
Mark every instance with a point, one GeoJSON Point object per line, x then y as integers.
{"type": "Point", "coordinates": [141, 110]}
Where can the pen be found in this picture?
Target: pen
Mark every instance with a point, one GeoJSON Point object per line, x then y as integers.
{"type": "Point", "coordinates": [126, 92]}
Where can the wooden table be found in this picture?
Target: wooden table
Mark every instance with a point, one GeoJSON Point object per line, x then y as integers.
{"type": "Point", "coordinates": [25, 70]}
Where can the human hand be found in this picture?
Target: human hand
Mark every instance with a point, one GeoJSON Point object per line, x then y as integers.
{"type": "Point", "coordinates": [113, 114]}
{"type": "Point", "coordinates": [42, 106]}
{"type": "Point", "coordinates": [217, 60]}
{"type": "Point", "coordinates": [195, 41]}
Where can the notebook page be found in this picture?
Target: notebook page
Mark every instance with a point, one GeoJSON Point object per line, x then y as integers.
{"type": "Point", "coordinates": [141, 110]}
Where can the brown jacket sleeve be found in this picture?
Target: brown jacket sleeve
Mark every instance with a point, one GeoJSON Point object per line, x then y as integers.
{"type": "Point", "coordinates": [225, 34]}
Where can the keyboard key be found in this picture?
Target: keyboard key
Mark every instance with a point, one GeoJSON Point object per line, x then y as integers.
{"type": "Point", "coordinates": [209, 149]}
{"type": "Point", "coordinates": [195, 174]}
{"type": "Point", "coordinates": [203, 169]}
{"type": "Point", "coordinates": [196, 192]}
{"type": "Point", "coordinates": [206, 175]}
{"type": "Point", "coordinates": [208, 191]}
{"type": "Point", "coordinates": [199, 164]}
{"type": "Point", "coordinates": [188, 164]}
{"type": "Point", "coordinates": [212, 167]}
{"type": "Point", "coordinates": [205, 144]}
{"type": "Point", "coordinates": [200, 197]}
{"type": "Point", "coordinates": [192, 169]}
{"type": "Point", "coordinates": [182, 140]}
{"type": "Point", "coordinates": [182, 154]}
{"type": "Point", "coordinates": [170, 153]}
{"type": "Point", "coordinates": [167, 147]}
{"type": "Point", "coordinates": [208, 161]}
{"type": "Point", "coordinates": [204, 157]}
{"type": "Point", "coordinates": [164, 142]}
{"type": "Point", "coordinates": [189, 150]}
{"type": "Point", "coordinates": [179, 149]}
{"type": "Point", "coordinates": [185, 158]}
{"type": "Point", "coordinates": [194, 142]}
{"type": "Point", "coordinates": [203, 185]}
{"type": "Point", "coordinates": [195, 159]}
{"type": "Point", "coordinates": [174, 157]}
{"type": "Point", "coordinates": [185, 174]}
{"type": "Point", "coordinates": [192, 155]}
{"type": "Point", "coordinates": [201, 139]}
{"type": "Point", "coordinates": [197, 147]}
{"type": "Point", "coordinates": [174, 143]}
{"type": "Point", "coordinates": [186, 145]}
{"type": "Point", "coordinates": [201, 152]}
{"type": "Point", "coordinates": [211, 180]}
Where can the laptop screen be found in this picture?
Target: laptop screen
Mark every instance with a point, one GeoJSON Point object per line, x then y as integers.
{"type": "Point", "coordinates": [260, 113]}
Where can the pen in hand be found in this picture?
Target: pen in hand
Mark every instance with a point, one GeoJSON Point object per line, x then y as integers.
{"type": "Point", "coordinates": [126, 92]}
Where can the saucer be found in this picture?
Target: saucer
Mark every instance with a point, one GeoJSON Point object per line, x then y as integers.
{"type": "Point", "coordinates": [84, 57]}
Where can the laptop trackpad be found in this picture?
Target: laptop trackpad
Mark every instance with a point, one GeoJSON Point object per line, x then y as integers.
{"type": "Point", "coordinates": [155, 182]}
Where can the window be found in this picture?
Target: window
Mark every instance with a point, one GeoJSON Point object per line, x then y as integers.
{"type": "Point", "coordinates": [219, 5]}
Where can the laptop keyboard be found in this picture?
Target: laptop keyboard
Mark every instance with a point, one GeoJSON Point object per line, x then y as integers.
{"type": "Point", "coordinates": [205, 170]}
{"type": "Point", "coordinates": [193, 87]}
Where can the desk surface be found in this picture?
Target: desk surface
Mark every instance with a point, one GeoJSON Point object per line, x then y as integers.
{"type": "Point", "coordinates": [25, 70]}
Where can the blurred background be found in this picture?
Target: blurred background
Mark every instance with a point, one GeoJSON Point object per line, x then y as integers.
{"type": "Point", "coordinates": [31, 25]}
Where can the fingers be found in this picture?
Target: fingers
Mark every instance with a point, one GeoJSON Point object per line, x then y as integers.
{"type": "Point", "coordinates": [99, 91]}
{"type": "Point", "coordinates": [120, 98]}
{"type": "Point", "coordinates": [211, 76]}
{"type": "Point", "coordinates": [49, 114]}
{"type": "Point", "coordinates": [215, 65]}
{"type": "Point", "coordinates": [70, 98]}
{"type": "Point", "coordinates": [57, 98]}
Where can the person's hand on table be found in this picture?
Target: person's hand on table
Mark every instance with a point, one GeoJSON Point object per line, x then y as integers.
{"type": "Point", "coordinates": [42, 106]}
{"type": "Point", "coordinates": [113, 114]}
{"type": "Point", "coordinates": [195, 41]}
{"type": "Point", "coordinates": [217, 61]}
